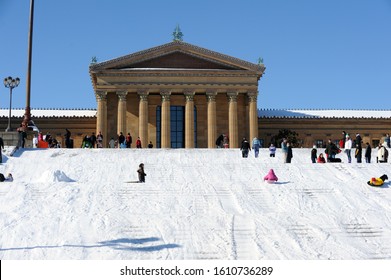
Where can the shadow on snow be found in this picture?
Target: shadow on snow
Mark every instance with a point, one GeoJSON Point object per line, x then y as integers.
{"type": "Point", "coordinates": [126, 244]}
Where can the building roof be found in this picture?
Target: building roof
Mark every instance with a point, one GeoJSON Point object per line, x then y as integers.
{"type": "Point", "coordinates": [262, 113]}
{"type": "Point", "coordinates": [54, 113]}
{"type": "Point", "coordinates": [332, 113]}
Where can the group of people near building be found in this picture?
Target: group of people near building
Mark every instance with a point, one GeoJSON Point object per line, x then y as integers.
{"type": "Point", "coordinates": [124, 142]}
{"type": "Point", "coordinates": [347, 144]}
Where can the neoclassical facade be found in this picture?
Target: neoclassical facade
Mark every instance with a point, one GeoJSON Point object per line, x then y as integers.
{"type": "Point", "coordinates": [177, 95]}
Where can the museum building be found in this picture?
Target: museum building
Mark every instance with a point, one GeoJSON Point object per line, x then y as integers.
{"type": "Point", "coordinates": [179, 95]}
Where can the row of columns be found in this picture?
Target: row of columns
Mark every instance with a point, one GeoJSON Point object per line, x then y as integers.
{"type": "Point", "coordinates": [189, 116]}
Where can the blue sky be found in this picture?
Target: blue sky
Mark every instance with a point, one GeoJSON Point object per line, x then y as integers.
{"type": "Point", "coordinates": [333, 54]}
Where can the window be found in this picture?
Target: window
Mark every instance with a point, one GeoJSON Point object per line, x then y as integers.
{"type": "Point", "coordinates": [177, 123]}
{"type": "Point", "coordinates": [319, 143]}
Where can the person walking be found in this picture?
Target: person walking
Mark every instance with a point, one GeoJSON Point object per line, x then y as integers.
{"type": "Point", "coordinates": [368, 153]}
{"type": "Point", "coordinates": [245, 148]}
{"type": "Point", "coordinates": [256, 144]}
{"type": "Point", "coordinates": [348, 148]}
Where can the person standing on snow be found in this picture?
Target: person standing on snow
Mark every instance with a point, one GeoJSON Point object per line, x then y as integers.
{"type": "Point", "coordinates": [382, 154]}
{"type": "Point", "coordinates": [284, 149]}
{"type": "Point", "coordinates": [141, 173]}
{"type": "Point", "coordinates": [368, 153]}
{"type": "Point", "coordinates": [245, 148]}
{"type": "Point", "coordinates": [314, 154]}
{"type": "Point", "coordinates": [272, 150]}
{"type": "Point", "coordinates": [121, 140]}
{"type": "Point", "coordinates": [128, 140]}
{"type": "Point", "coordinates": [358, 153]}
{"type": "Point", "coordinates": [331, 150]}
{"type": "Point", "coordinates": [99, 140]}
{"type": "Point", "coordinates": [138, 143]}
{"type": "Point", "coordinates": [348, 148]}
{"type": "Point", "coordinates": [219, 141]}
{"type": "Point", "coordinates": [358, 140]}
{"type": "Point", "coordinates": [67, 138]}
{"type": "Point", "coordinates": [256, 144]}
{"type": "Point", "coordinates": [289, 154]}
{"type": "Point", "coordinates": [387, 140]}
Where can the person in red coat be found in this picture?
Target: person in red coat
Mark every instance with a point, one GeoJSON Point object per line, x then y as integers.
{"type": "Point", "coordinates": [138, 143]}
{"type": "Point", "coordinates": [321, 159]}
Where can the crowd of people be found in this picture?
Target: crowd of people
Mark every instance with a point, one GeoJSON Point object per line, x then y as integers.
{"type": "Point", "coordinates": [346, 144]}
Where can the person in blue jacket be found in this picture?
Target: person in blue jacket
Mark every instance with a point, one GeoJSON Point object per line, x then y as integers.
{"type": "Point", "coordinates": [256, 144]}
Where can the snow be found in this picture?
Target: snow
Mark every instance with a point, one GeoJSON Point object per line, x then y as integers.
{"type": "Point", "coordinates": [78, 204]}
{"type": "Point", "coordinates": [262, 113]}
{"type": "Point", "coordinates": [40, 113]}
{"type": "Point", "coordinates": [322, 113]}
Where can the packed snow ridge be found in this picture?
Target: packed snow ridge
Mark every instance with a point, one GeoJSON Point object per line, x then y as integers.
{"type": "Point", "coordinates": [196, 204]}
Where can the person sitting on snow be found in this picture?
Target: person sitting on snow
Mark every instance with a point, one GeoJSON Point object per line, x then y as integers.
{"type": "Point", "coordinates": [270, 177]}
{"type": "Point", "coordinates": [321, 159]}
{"type": "Point", "coordinates": [9, 177]}
{"type": "Point", "coordinates": [378, 181]}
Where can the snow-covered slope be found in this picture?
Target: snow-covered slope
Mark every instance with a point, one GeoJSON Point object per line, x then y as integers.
{"type": "Point", "coordinates": [195, 204]}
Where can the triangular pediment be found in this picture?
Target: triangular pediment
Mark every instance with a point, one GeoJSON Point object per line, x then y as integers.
{"type": "Point", "coordinates": [177, 55]}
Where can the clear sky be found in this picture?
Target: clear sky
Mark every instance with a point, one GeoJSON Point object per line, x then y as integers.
{"type": "Point", "coordinates": [333, 54]}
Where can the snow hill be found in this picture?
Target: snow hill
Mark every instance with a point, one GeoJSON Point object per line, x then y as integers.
{"type": "Point", "coordinates": [196, 204]}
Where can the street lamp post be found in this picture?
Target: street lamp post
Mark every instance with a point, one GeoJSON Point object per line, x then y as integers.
{"type": "Point", "coordinates": [10, 83]}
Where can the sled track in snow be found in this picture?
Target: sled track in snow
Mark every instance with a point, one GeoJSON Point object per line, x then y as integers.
{"type": "Point", "coordinates": [243, 244]}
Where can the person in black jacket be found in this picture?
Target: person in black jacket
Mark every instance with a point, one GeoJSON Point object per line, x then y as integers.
{"type": "Point", "coordinates": [245, 148]}
{"type": "Point", "coordinates": [368, 153]}
{"type": "Point", "coordinates": [289, 155]}
{"type": "Point", "coordinates": [219, 141]}
{"type": "Point", "coordinates": [314, 155]}
{"type": "Point", "coordinates": [67, 138]}
{"type": "Point", "coordinates": [358, 153]}
{"type": "Point", "coordinates": [141, 173]}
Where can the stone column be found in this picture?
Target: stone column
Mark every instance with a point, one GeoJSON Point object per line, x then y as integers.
{"type": "Point", "coordinates": [253, 114]}
{"type": "Point", "coordinates": [212, 124]}
{"type": "Point", "coordinates": [189, 119]}
{"type": "Point", "coordinates": [143, 117]}
{"type": "Point", "coordinates": [101, 115]}
{"type": "Point", "coordinates": [233, 119]}
{"type": "Point", "coordinates": [165, 119]}
{"type": "Point", "coordinates": [121, 117]}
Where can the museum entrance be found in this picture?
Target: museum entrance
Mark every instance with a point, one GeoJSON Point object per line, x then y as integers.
{"type": "Point", "coordinates": [177, 126]}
